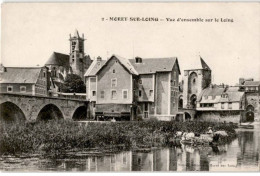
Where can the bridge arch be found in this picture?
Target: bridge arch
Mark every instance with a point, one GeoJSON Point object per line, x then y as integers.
{"type": "Point", "coordinates": [50, 112]}
{"type": "Point", "coordinates": [193, 100]}
{"type": "Point", "coordinates": [10, 112]}
{"type": "Point", "coordinates": [192, 82]}
{"type": "Point", "coordinates": [250, 108]}
{"type": "Point", "coordinates": [80, 113]}
{"type": "Point", "coordinates": [187, 116]}
{"type": "Point", "coordinates": [250, 116]}
{"type": "Point", "coordinates": [180, 103]}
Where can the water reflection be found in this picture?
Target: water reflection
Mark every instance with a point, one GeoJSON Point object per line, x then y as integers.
{"type": "Point", "coordinates": [241, 155]}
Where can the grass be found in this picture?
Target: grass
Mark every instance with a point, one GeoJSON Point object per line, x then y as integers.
{"type": "Point", "coordinates": [54, 137]}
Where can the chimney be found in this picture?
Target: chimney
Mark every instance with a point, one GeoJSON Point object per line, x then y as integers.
{"type": "Point", "coordinates": [241, 81]}
{"type": "Point", "coordinates": [2, 68]}
{"type": "Point", "coordinates": [138, 59]}
{"type": "Point", "coordinates": [99, 59]}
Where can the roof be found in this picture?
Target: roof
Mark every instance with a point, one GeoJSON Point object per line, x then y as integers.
{"type": "Point", "coordinates": [27, 75]}
{"type": "Point", "coordinates": [76, 33]}
{"type": "Point", "coordinates": [252, 83]}
{"type": "Point", "coordinates": [211, 91]}
{"type": "Point", "coordinates": [233, 96]}
{"type": "Point", "coordinates": [59, 59]}
{"type": "Point", "coordinates": [96, 66]}
{"type": "Point", "coordinates": [153, 65]}
{"type": "Point", "coordinates": [127, 64]}
{"type": "Point", "coordinates": [197, 64]}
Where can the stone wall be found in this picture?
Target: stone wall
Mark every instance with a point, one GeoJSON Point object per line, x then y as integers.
{"type": "Point", "coordinates": [219, 116]}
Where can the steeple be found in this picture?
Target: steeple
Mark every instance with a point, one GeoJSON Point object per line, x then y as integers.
{"type": "Point", "coordinates": [76, 33]}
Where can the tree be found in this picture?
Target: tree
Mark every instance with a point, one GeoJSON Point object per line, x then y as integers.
{"type": "Point", "coordinates": [73, 84]}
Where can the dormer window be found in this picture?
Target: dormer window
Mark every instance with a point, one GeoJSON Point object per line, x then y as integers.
{"type": "Point", "coordinates": [114, 71]}
{"type": "Point", "coordinates": [224, 96]}
{"type": "Point", "coordinates": [138, 60]}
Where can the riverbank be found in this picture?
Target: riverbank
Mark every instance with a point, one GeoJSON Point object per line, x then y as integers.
{"type": "Point", "coordinates": [56, 137]}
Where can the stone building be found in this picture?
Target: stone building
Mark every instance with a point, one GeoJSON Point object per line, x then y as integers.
{"type": "Point", "coordinates": [76, 62]}
{"type": "Point", "coordinates": [252, 94]}
{"type": "Point", "coordinates": [142, 88]}
{"type": "Point", "coordinates": [221, 104]}
{"type": "Point", "coordinates": [195, 80]}
{"type": "Point", "coordinates": [24, 80]}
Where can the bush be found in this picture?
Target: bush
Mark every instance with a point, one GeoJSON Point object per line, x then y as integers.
{"type": "Point", "coordinates": [54, 137]}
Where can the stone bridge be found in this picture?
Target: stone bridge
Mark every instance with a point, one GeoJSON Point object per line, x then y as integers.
{"type": "Point", "coordinates": [15, 107]}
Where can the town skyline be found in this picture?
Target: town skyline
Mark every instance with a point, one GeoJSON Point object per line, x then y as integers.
{"type": "Point", "coordinates": [231, 49]}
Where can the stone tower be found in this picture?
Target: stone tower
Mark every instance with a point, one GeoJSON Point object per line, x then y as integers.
{"type": "Point", "coordinates": [195, 80]}
{"type": "Point", "coordinates": [77, 54]}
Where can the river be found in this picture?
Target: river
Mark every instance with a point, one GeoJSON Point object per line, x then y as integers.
{"type": "Point", "coordinates": [242, 154]}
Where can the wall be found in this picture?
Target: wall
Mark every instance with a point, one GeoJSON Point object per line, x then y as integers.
{"type": "Point", "coordinates": [41, 87]}
{"type": "Point", "coordinates": [162, 93]}
{"type": "Point", "coordinates": [220, 116]}
{"type": "Point", "coordinates": [253, 99]}
{"type": "Point", "coordinates": [113, 108]}
{"type": "Point", "coordinates": [217, 107]}
{"type": "Point", "coordinates": [145, 87]}
{"type": "Point", "coordinates": [124, 82]}
{"type": "Point", "coordinates": [174, 90]}
{"type": "Point", "coordinates": [16, 88]}
{"type": "Point", "coordinates": [91, 85]}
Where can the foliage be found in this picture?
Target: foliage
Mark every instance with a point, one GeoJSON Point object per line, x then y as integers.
{"type": "Point", "coordinates": [73, 83]}
{"type": "Point", "coordinates": [60, 136]}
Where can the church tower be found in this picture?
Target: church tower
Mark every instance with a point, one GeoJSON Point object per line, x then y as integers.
{"type": "Point", "coordinates": [77, 54]}
{"type": "Point", "coordinates": [195, 80]}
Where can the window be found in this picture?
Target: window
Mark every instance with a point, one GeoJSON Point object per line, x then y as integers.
{"type": "Point", "coordinates": [229, 105]}
{"type": "Point", "coordinates": [114, 71]}
{"type": "Point", "coordinates": [145, 106]}
{"type": "Point", "coordinates": [125, 94]}
{"type": "Point", "coordinates": [194, 81]}
{"type": "Point", "coordinates": [54, 72]}
{"type": "Point", "coordinates": [140, 93]}
{"type": "Point", "coordinates": [224, 95]}
{"type": "Point", "coordinates": [222, 105]}
{"type": "Point", "coordinates": [102, 94]}
{"type": "Point", "coordinates": [93, 93]}
{"type": "Point", "coordinates": [113, 94]}
{"type": "Point", "coordinates": [44, 74]}
{"type": "Point", "coordinates": [151, 93]}
{"type": "Point", "coordinates": [113, 82]}
{"type": "Point", "coordinates": [174, 83]}
{"type": "Point", "coordinates": [22, 89]}
{"type": "Point", "coordinates": [9, 88]}
{"type": "Point", "coordinates": [140, 81]}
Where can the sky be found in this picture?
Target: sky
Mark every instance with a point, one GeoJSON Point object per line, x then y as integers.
{"type": "Point", "coordinates": [32, 31]}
